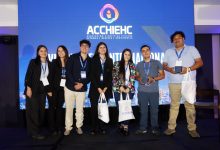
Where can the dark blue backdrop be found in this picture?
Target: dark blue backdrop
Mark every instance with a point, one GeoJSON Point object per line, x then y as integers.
{"type": "Point", "coordinates": [55, 22]}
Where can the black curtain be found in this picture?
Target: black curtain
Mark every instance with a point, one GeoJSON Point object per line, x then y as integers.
{"type": "Point", "coordinates": [203, 43]}
{"type": "Point", "coordinates": [8, 81]}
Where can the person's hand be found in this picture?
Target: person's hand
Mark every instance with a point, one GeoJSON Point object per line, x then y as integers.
{"type": "Point", "coordinates": [29, 92]}
{"type": "Point", "coordinates": [150, 80]}
{"type": "Point", "coordinates": [49, 94]}
{"type": "Point", "coordinates": [127, 90]}
{"type": "Point", "coordinates": [100, 91]}
{"type": "Point", "coordinates": [78, 86]}
{"type": "Point", "coordinates": [122, 89]}
{"type": "Point", "coordinates": [105, 89]}
{"type": "Point", "coordinates": [184, 70]}
{"type": "Point", "coordinates": [171, 70]}
{"type": "Point", "coordinates": [140, 81]}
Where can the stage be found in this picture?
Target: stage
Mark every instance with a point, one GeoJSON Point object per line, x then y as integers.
{"type": "Point", "coordinates": [17, 139]}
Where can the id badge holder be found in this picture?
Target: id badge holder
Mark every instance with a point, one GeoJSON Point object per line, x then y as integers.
{"type": "Point", "coordinates": [101, 77]}
{"type": "Point", "coordinates": [45, 81]}
{"type": "Point", "coordinates": [83, 74]}
{"type": "Point", "coordinates": [178, 63]}
{"type": "Point", "coordinates": [62, 82]}
{"type": "Point", "coordinates": [178, 66]}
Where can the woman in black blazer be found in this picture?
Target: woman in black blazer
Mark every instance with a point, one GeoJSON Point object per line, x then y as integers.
{"type": "Point", "coordinates": [56, 117]}
{"type": "Point", "coordinates": [37, 87]}
{"type": "Point", "coordinates": [101, 82]}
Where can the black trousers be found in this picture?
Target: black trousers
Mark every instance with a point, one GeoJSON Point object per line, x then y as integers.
{"type": "Point", "coordinates": [97, 124]}
{"type": "Point", "coordinates": [56, 111]}
{"type": "Point", "coordinates": [35, 112]}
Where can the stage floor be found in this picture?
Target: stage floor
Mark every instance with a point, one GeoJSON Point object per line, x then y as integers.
{"type": "Point", "coordinates": [17, 139]}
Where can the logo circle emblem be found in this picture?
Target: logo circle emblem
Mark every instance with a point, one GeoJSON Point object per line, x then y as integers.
{"type": "Point", "coordinates": [109, 13]}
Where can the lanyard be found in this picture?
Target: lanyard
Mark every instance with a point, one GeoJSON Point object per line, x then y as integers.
{"type": "Point", "coordinates": [83, 66]}
{"type": "Point", "coordinates": [179, 55]}
{"type": "Point", "coordinates": [148, 69]}
{"type": "Point", "coordinates": [126, 68]}
{"type": "Point", "coordinates": [44, 69]}
{"type": "Point", "coordinates": [63, 72]}
{"type": "Point", "coordinates": [102, 64]}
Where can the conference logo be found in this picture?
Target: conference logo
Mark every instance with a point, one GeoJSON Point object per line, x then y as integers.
{"type": "Point", "coordinates": [109, 13]}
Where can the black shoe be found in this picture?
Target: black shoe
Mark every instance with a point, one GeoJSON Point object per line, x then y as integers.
{"type": "Point", "coordinates": [59, 132]}
{"type": "Point", "coordinates": [54, 133]}
{"type": "Point", "coordinates": [125, 132]}
{"type": "Point", "coordinates": [141, 132]}
{"type": "Point", "coordinates": [38, 137]}
{"type": "Point", "coordinates": [155, 132]}
{"type": "Point", "coordinates": [93, 132]}
{"type": "Point", "coordinates": [121, 129]}
{"type": "Point", "coordinates": [103, 131]}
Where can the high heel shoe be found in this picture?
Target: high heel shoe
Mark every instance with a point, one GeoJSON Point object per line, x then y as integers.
{"type": "Point", "coordinates": [121, 129]}
{"type": "Point", "coordinates": [125, 132]}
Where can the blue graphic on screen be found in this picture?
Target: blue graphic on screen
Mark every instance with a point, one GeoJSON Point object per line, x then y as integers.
{"type": "Point", "coordinates": [120, 24]}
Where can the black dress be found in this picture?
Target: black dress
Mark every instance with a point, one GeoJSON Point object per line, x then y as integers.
{"type": "Point", "coordinates": [96, 71]}
{"type": "Point", "coordinates": [56, 112]}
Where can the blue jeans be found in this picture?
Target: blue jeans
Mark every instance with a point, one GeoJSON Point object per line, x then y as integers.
{"type": "Point", "coordinates": [117, 98]}
{"type": "Point", "coordinates": [145, 98]}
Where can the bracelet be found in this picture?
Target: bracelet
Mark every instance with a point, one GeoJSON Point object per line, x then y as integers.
{"type": "Point", "coordinates": [189, 69]}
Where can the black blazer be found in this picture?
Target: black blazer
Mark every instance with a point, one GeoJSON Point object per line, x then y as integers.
{"type": "Point", "coordinates": [32, 77]}
{"type": "Point", "coordinates": [73, 72]}
{"type": "Point", "coordinates": [56, 74]}
{"type": "Point", "coordinates": [96, 70]}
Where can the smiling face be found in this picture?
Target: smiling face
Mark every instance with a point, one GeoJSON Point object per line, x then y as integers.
{"type": "Point", "coordinates": [84, 48]}
{"type": "Point", "coordinates": [61, 52]}
{"type": "Point", "coordinates": [102, 49]}
{"type": "Point", "coordinates": [42, 52]}
{"type": "Point", "coordinates": [178, 41]}
{"type": "Point", "coordinates": [145, 52]}
{"type": "Point", "coordinates": [127, 56]}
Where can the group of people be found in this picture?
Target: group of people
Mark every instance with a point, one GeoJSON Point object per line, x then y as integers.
{"type": "Point", "coordinates": [65, 79]}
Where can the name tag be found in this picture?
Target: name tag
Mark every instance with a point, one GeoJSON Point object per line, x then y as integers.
{"type": "Point", "coordinates": [101, 77]}
{"type": "Point", "coordinates": [45, 81]}
{"type": "Point", "coordinates": [179, 63]}
{"type": "Point", "coordinates": [62, 82]}
{"type": "Point", "coordinates": [83, 74]}
{"type": "Point", "coordinates": [126, 82]}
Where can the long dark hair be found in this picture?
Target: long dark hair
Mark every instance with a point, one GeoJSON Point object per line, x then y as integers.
{"type": "Point", "coordinates": [65, 51]}
{"type": "Point", "coordinates": [97, 50]}
{"type": "Point", "coordinates": [37, 56]}
{"type": "Point", "coordinates": [122, 62]}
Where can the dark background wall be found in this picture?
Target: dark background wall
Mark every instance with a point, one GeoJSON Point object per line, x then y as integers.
{"type": "Point", "coordinates": [8, 80]}
{"type": "Point", "coordinates": [10, 115]}
{"type": "Point", "coordinates": [205, 74]}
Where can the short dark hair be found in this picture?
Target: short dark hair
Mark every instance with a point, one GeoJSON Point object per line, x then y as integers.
{"type": "Point", "coordinates": [176, 33]}
{"type": "Point", "coordinates": [84, 41]}
{"type": "Point", "coordinates": [144, 46]}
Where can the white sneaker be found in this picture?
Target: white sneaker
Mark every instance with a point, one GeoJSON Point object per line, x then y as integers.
{"type": "Point", "coordinates": [79, 131]}
{"type": "Point", "coordinates": [67, 132]}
